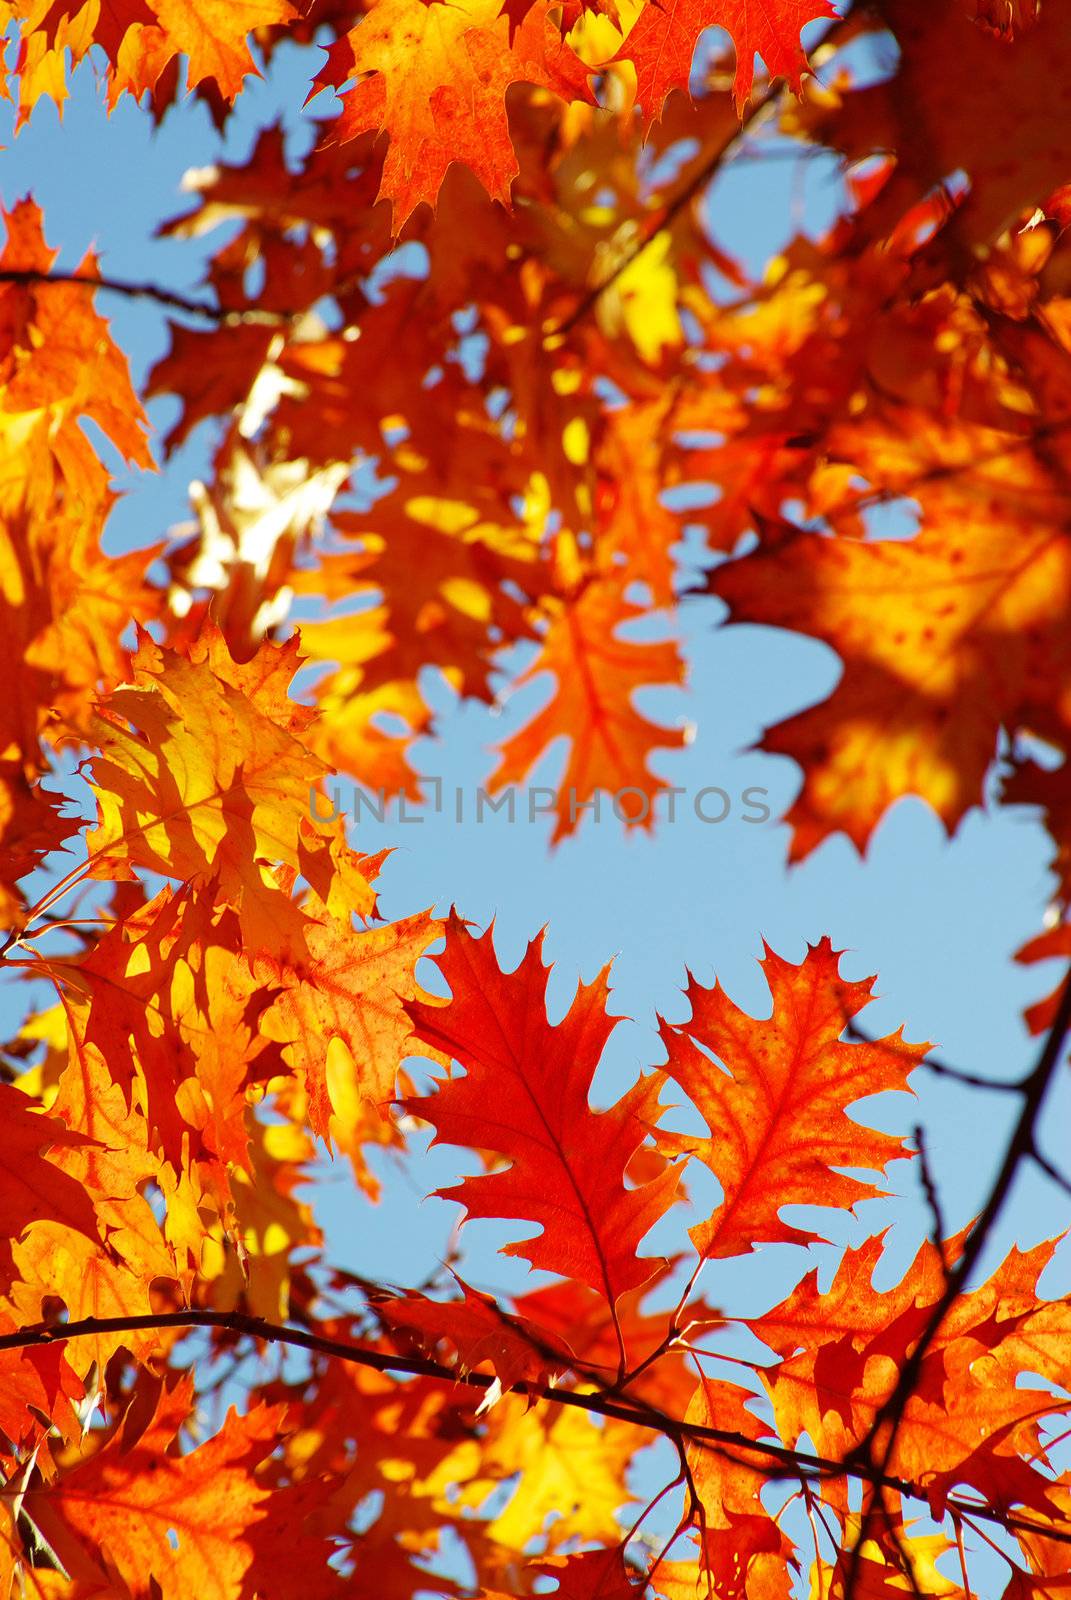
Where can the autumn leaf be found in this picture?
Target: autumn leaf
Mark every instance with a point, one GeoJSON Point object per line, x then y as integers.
{"type": "Point", "coordinates": [588, 1575]}
{"type": "Point", "coordinates": [254, 1253]}
{"type": "Point", "coordinates": [173, 1011]}
{"type": "Point", "coordinates": [638, 528]}
{"type": "Point", "coordinates": [741, 1548]}
{"type": "Point", "coordinates": [480, 1333]}
{"type": "Point", "coordinates": [351, 985]}
{"type": "Point", "coordinates": [525, 1097]}
{"type": "Point", "coordinates": [970, 96]}
{"type": "Point", "coordinates": [571, 1472]}
{"type": "Point", "coordinates": [32, 827]}
{"type": "Point", "coordinates": [777, 1103]}
{"type": "Point", "coordinates": [32, 1187]}
{"type": "Point", "coordinates": [140, 38]}
{"type": "Point", "coordinates": [924, 627]}
{"type": "Point", "coordinates": [662, 42]}
{"type": "Point", "coordinates": [158, 1518]}
{"type": "Point", "coordinates": [36, 1384]}
{"type": "Point", "coordinates": [449, 579]}
{"type": "Point", "coordinates": [1051, 944]}
{"type": "Point", "coordinates": [842, 1351]}
{"type": "Point", "coordinates": [213, 373]}
{"type": "Point", "coordinates": [576, 1317]}
{"type": "Point", "coordinates": [200, 775]}
{"type": "Point", "coordinates": [1046, 1575]}
{"type": "Point", "coordinates": [453, 107]}
{"type": "Point", "coordinates": [58, 354]}
{"type": "Point", "coordinates": [885, 1556]}
{"type": "Point", "coordinates": [63, 603]}
{"type": "Point", "coordinates": [597, 673]}
{"type": "Point", "coordinates": [105, 1160]}
{"type": "Point", "coordinates": [485, 400]}
{"type": "Point", "coordinates": [213, 36]}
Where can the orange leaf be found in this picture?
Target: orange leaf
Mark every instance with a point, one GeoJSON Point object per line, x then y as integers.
{"type": "Point", "coordinates": [107, 1159]}
{"type": "Point", "coordinates": [1050, 944]}
{"type": "Point", "coordinates": [741, 1548]}
{"type": "Point", "coordinates": [588, 1575]}
{"type": "Point", "coordinates": [967, 1420]}
{"type": "Point", "coordinates": [961, 100]}
{"type": "Point", "coordinates": [349, 985]}
{"type": "Point", "coordinates": [173, 1009]}
{"type": "Point", "coordinates": [40, 1378]}
{"type": "Point", "coordinates": [597, 674]}
{"type": "Point", "coordinates": [140, 38]}
{"type": "Point", "coordinates": [202, 774]}
{"type": "Point", "coordinates": [945, 638]}
{"type": "Point", "coordinates": [178, 1525]}
{"type": "Point", "coordinates": [56, 352]}
{"type": "Point", "coordinates": [569, 1314]}
{"type": "Point", "coordinates": [32, 1189]}
{"type": "Point", "coordinates": [437, 81]}
{"type": "Point", "coordinates": [776, 1108]}
{"type": "Point", "coordinates": [481, 1332]}
{"type": "Point", "coordinates": [31, 827]}
{"type": "Point", "coordinates": [663, 42]}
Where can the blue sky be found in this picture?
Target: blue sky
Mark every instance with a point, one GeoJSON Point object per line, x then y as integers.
{"type": "Point", "coordinates": [937, 920]}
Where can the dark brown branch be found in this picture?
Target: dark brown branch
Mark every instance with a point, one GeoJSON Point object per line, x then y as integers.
{"type": "Point", "coordinates": [931, 1063]}
{"type": "Point", "coordinates": [668, 213]}
{"type": "Point", "coordinates": [640, 1413]}
{"type": "Point", "coordinates": [1021, 1147]}
{"type": "Point", "coordinates": [170, 298]}
{"type": "Point", "coordinates": [1051, 1171]}
{"type": "Point", "coordinates": [933, 1198]}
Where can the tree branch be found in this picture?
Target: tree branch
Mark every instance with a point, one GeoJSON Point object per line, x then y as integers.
{"type": "Point", "coordinates": [170, 298]}
{"type": "Point", "coordinates": [672, 209]}
{"type": "Point", "coordinates": [1021, 1147]}
{"type": "Point", "coordinates": [931, 1063]}
{"type": "Point", "coordinates": [640, 1413]}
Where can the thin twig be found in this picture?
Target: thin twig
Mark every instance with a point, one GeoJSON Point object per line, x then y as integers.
{"type": "Point", "coordinates": [903, 1554]}
{"type": "Point", "coordinates": [251, 315]}
{"type": "Point", "coordinates": [941, 1069]}
{"type": "Point", "coordinates": [933, 1198]}
{"type": "Point", "coordinates": [1003, 1554]}
{"type": "Point", "coordinates": [1050, 1171]}
{"type": "Point", "coordinates": [957, 1523]}
{"type": "Point", "coordinates": [808, 1499]}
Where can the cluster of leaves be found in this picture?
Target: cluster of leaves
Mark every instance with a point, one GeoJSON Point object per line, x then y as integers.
{"type": "Point", "coordinates": [513, 308]}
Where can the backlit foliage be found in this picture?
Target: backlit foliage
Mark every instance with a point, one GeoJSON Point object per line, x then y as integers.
{"type": "Point", "coordinates": [494, 282]}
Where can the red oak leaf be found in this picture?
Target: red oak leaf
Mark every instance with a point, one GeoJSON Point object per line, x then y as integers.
{"type": "Point", "coordinates": [663, 42]}
{"type": "Point", "coordinates": [436, 82]}
{"type": "Point", "coordinates": [777, 1109]}
{"type": "Point", "coordinates": [525, 1096]}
